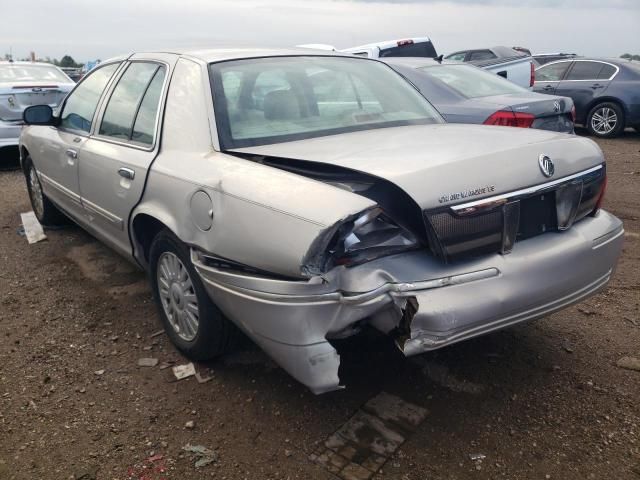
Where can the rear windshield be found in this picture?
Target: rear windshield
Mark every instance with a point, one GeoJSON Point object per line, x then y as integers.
{"type": "Point", "coordinates": [32, 73]}
{"type": "Point", "coordinates": [418, 49]}
{"type": "Point", "coordinates": [472, 82]}
{"type": "Point", "coordinates": [279, 99]}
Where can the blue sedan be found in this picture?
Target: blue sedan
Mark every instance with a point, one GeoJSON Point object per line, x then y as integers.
{"type": "Point", "coordinates": [606, 92]}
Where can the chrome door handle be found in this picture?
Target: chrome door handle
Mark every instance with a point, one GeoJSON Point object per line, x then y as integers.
{"type": "Point", "coordinates": [596, 85]}
{"type": "Point", "coordinates": [72, 154]}
{"type": "Point", "coordinates": [548, 87]}
{"type": "Point", "coordinates": [127, 173]}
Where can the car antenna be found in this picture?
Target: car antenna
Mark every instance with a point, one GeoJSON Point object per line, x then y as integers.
{"type": "Point", "coordinates": [439, 58]}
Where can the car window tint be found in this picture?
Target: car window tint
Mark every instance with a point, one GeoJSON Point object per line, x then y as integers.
{"type": "Point", "coordinates": [117, 121]}
{"type": "Point", "coordinates": [458, 57]}
{"type": "Point", "coordinates": [82, 102]}
{"type": "Point", "coordinates": [552, 72]}
{"type": "Point", "coordinates": [145, 124]}
{"type": "Point", "coordinates": [472, 82]}
{"type": "Point", "coordinates": [584, 71]}
{"type": "Point", "coordinates": [419, 49]}
{"type": "Point", "coordinates": [606, 71]}
{"type": "Point", "coordinates": [482, 55]}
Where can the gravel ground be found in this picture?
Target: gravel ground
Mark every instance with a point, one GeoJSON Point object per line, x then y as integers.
{"type": "Point", "coordinates": [541, 400]}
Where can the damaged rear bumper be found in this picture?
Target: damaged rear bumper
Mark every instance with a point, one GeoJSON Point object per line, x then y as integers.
{"type": "Point", "coordinates": [424, 303]}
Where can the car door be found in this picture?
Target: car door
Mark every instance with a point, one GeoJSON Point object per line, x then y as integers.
{"type": "Point", "coordinates": [116, 158]}
{"type": "Point", "coordinates": [585, 81]}
{"type": "Point", "coordinates": [58, 148]}
{"type": "Point", "coordinates": [549, 75]}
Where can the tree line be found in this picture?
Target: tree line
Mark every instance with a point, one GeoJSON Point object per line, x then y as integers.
{"type": "Point", "coordinates": [65, 61]}
{"type": "Point", "coordinates": [628, 56]}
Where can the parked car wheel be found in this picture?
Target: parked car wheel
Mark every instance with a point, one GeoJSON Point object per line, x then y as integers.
{"type": "Point", "coordinates": [194, 324]}
{"type": "Point", "coordinates": [605, 120]}
{"type": "Point", "coordinates": [46, 212]}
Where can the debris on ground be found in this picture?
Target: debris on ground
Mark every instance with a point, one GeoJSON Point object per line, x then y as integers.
{"type": "Point", "coordinates": [190, 425]}
{"type": "Point", "coordinates": [202, 379]}
{"type": "Point", "coordinates": [629, 363]}
{"type": "Point", "coordinates": [360, 447]}
{"type": "Point", "coordinates": [32, 228]}
{"type": "Point", "coordinates": [156, 334]}
{"type": "Point", "coordinates": [99, 372]}
{"type": "Point", "coordinates": [477, 456]}
{"type": "Point", "coordinates": [204, 455]}
{"type": "Point", "coordinates": [184, 371]}
{"type": "Point", "coordinates": [147, 362]}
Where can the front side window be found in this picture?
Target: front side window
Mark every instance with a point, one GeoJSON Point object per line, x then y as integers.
{"type": "Point", "coordinates": [273, 100]}
{"type": "Point", "coordinates": [585, 71]}
{"type": "Point", "coordinates": [458, 57]}
{"type": "Point", "coordinates": [81, 104]}
{"type": "Point", "coordinates": [128, 98]}
{"type": "Point", "coordinates": [552, 72]}
{"type": "Point", "coordinates": [482, 55]}
{"type": "Point", "coordinates": [472, 82]}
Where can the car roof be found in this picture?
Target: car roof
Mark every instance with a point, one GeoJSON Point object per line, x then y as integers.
{"type": "Point", "coordinates": [614, 61]}
{"type": "Point", "coordinates": [21, 63]}
{"type": "Point", "coordinates": [419, 62]}
{"type": "Point", "coordinates": [223, 54]}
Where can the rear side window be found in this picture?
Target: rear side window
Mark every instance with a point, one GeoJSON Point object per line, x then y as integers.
{"type": "Point", "coordinates": [81, 104]}
{"type": "Point", "coordinates": [606, 72]}
{"type": "Point", "coordinates": [136, 95]}
{"type": "Point", "coordinates": [482, 55]}
{"type": "Point", "coordinates": [585, 71]}
{"type": "Point", "coordinates": [552, 72]}
{"type": "Point", "coordinates": [420, 49]}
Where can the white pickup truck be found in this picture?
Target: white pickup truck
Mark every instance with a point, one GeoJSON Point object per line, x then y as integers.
{"type": "Point", "coordinates": [504, 61]}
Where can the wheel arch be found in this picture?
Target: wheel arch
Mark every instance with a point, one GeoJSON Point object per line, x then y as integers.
{"type": "Point", "coordinates": [24, 153]}
{"type": "Point", "coordinates": [145, 226]}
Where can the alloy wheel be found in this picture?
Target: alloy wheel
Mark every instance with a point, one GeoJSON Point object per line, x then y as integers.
{"type": "Point", "coordinates": [35, 192]}
{"type": "Point", "coordinates": [604, 120]}
{"type": "Point", "coordinates": [177, 295]}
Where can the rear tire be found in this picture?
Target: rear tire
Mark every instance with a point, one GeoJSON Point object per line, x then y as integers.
{"type": "Point", "coordinates": [605, 120]}
{"type": "Point", "coordinates": [192, 321]}
{"type": "Point", "coordinates": [46, 212]}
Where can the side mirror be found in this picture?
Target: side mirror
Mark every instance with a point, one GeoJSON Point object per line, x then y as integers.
{"type": "Point", "coordinates": [38, 115]}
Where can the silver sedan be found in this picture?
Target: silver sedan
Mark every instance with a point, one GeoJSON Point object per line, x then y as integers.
{"type": "Point", "coordinates": [303, 197]}
{"type": "Point", "coordinates": [23, 84]}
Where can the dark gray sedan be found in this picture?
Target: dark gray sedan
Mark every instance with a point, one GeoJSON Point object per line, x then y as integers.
{"type": "Point", "coordinates": [606, 92]}
{"type": "Point", "coordinates": [466, 94]}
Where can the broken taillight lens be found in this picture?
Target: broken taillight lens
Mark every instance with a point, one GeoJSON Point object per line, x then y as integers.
{"type": "Point", "coordinates": [507, 118]}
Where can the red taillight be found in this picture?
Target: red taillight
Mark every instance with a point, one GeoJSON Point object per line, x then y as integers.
{"type": "Point", "coordinates": [507, 118]}
{"type": "Point", "coordinates": [603, 189]}
{"type": "Point", "coordinates": [573, 114]}
{"type": "Point", "coordinates": [402, 43]}
{"type": "Point", "coordinates": [532, 75]}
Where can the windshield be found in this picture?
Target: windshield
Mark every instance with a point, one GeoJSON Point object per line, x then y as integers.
{"type": "Point", "coordinates": [279, 99]}
{"type": "Point", "coordinates": [471, 81]}
{"type": "Point", "coordinates": [32, 73]}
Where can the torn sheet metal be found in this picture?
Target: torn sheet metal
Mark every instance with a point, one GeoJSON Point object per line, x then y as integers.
{"type": "Point", "coordinates": [32, 228]}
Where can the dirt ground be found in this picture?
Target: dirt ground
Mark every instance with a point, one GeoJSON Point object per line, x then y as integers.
{"type": "Point", "coordinates": [544, 400]}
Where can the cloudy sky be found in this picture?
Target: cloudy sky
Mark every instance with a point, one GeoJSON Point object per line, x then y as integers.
{"type": "Point", "coordinates": [89, 29]}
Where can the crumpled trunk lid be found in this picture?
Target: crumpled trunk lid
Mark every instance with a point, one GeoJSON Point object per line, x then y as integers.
{"type": "Point", "coordinates": [439, 165]}
{"type": "Point", "coordinates": [15, 97]}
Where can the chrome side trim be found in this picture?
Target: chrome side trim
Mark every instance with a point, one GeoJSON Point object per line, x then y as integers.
{"type": "Point", "coordinates": [583, 80]}
{"type": "Point", "coordinates": [105, 214]}
{"type": "Point", "coordinates": [60, 188]}
{"type": "Point", "coordinates": [524, 191]}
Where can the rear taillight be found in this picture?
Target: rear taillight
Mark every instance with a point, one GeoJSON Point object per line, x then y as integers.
{"type": "Point", "coordinates": [532, 75]}
{"type": "Point", "coordinates": [507, 118]}
{"type": "Point", "coordinates": [573, 114]}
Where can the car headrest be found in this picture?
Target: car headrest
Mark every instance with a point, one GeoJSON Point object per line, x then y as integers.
{"type": "Point", "coordinates": [281, 105]}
